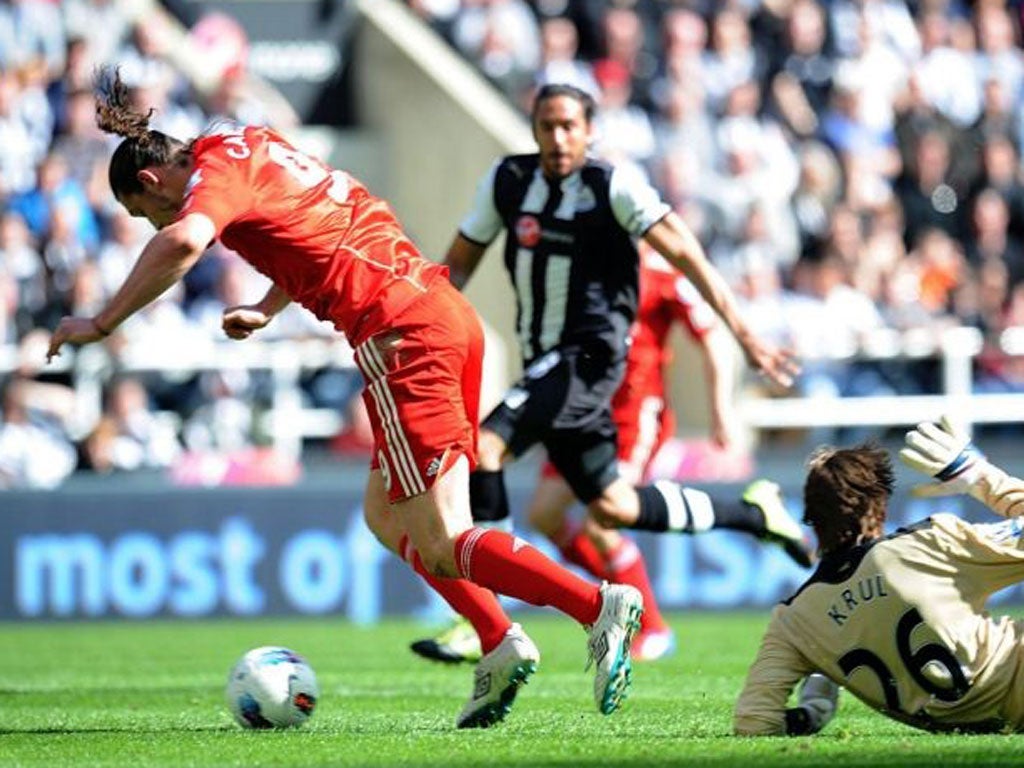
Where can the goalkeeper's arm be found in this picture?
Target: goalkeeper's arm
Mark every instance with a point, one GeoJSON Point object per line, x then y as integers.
{"type": "Point", "coordinates": [944, 452]}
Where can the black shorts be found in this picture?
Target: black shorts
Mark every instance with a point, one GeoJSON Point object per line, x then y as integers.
{"type": "Point", "coordinates": [563, 401]}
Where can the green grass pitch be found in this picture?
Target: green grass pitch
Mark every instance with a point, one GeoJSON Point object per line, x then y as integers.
{"type": "Point", "coordinates": [149, 694]}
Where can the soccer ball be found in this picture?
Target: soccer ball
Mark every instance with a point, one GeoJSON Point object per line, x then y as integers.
{"type": "Point", "coordinates": [272, 687]}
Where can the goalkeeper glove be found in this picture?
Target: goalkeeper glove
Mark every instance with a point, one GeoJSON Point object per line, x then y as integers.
{"type": "Point", "coordinates": [816, 706]}
{"type": "Point", "coordinates": [945, 452]}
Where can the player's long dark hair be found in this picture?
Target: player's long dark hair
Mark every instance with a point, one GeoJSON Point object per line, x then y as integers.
{"type": "Point", "coordinates": [142, 147]}
{"type": "Point", "coordinates": [551, 90]}
{"type": "Point", "coordinates": [846, 495]}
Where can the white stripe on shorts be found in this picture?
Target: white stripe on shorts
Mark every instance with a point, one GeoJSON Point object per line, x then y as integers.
{"type": "Point", "coordinates": [397, 444]}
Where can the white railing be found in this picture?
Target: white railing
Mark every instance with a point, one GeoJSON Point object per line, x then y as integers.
{"type": "Point", "coordinates": [287, 421]}
{"type": "Point", "coordinates": [954, 348]}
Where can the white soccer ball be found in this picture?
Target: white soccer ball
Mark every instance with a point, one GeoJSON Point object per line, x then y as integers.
{"type": "Point", "coordinates": [272, 687]}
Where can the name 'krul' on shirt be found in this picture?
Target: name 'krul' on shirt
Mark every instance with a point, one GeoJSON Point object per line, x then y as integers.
{"type": "Point", "coordinates": [862, 591]}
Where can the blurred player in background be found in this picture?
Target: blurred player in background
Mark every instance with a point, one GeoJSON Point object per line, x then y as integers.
{"type": "Point", "coordinates": [644, 421]}
{"type": "Point", "coordinates": [327, 243]}
{"type": "Point", "coordinates": [898, 620]}
{"type": "Point", "coordinates": [572, 226]}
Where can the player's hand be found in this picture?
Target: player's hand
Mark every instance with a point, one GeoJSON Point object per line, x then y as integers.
{"type": "Point", "coordinates": [240, 322]}
{"type": "Point", "coordinates": [818, 697]}
{"type": "Point", "coordinates": [943, 451]}
{"type": "Point", "coordinates": [777, 364]}
{"type": "Point", "coordinates": [73, 330]}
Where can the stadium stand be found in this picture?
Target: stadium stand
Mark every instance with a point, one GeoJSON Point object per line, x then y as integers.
{"type": "Point", "coordinates": [853, 166]}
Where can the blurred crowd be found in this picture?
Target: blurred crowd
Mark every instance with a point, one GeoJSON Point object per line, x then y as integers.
{"type": "Point", "coordinates": [852, 166]}
{"type": "Point", "coordinates": [66, 245]}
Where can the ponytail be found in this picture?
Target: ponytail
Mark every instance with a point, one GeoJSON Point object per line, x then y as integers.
{"type": "Point", "coordinates": [142, 147]}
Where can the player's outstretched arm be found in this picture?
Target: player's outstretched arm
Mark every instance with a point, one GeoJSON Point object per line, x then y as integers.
{"type": "Point", "coordinates": [168, 255]}
{"type": "Point", "coordinates": [673, 239]}
{"type": "Point", "coordinates": [240, 322]}
{"type": "Point", "coordinates": [761, 708]}
{"type": "Point", "coordinates": [944, 451]}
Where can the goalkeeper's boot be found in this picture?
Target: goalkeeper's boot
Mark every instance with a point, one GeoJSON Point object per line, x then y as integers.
{"type": "Point", "coordinates": [497, 678]}
{"type": "Point", "coordinates": [779, 527]}
{"type": "Point", "coordinates": [456, 644]}
{"type": "Point", "coordinates": [609, 643]}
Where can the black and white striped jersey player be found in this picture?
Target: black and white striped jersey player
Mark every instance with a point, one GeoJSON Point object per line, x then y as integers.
{"type": "Point", "coordinates": [572, 225]}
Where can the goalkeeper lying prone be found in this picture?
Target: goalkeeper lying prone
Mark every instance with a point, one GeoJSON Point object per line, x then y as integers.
{"type": "Point", "coordinates": [898, 620]}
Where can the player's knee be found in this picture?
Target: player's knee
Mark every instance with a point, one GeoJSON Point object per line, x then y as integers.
{"type": "Point", "coordinates": [605, 512]}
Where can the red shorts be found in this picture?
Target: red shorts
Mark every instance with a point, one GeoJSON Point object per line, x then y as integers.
{"type": "Point", "coordinates": [644, 424]}
{"type": "Point", "coordinates": [423, 390]}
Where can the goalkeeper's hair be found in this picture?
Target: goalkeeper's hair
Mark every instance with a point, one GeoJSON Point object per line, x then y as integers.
{"type": "Point", "coordinates": [846, 494]}
{"type": "Point", "coordinates": [142, 147]}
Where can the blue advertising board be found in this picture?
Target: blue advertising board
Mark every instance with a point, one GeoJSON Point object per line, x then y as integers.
{"type": "Point", "coordinates": [111, 553]}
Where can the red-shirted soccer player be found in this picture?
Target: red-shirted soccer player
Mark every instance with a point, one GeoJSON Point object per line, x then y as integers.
{"type": "Point", "coordinates": [330, 245]}
{"type": "Point", "coordinates": [644, 421]}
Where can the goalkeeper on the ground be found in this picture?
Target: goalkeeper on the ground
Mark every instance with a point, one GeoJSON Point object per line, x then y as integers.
{"type": "Point", "coordinates": [898, 620]}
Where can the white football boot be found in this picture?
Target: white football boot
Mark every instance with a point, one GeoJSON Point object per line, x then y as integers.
{"type": "Point", "coordinates": [609, 641]}
{"type": "Point", "coordinates": [497, 678]}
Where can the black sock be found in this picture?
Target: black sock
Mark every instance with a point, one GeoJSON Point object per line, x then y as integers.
{"type": "Point", "coordinates": [489, 499]}
{"type": "Point", "coordinates": [739, 516]}
{"type": "Point", "coordinates": [668, 506]}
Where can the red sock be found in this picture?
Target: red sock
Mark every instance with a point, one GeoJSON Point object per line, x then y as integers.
{"type": "Point", "coordinates": [480, 606]}
{"type": "Point", "coordinates": [626, 566]}
{"type": "Point", "coordinates": [508, 565]}
{"type": "Point", "coordinates": [577, 548]}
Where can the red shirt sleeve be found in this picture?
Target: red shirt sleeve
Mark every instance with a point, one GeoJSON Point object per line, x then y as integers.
{"type": "Point", "coordinates": [219, 187]}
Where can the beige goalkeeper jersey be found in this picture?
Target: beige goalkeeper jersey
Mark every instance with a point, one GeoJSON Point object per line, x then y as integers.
{"type": "Point", "coordinates": [901, 623]}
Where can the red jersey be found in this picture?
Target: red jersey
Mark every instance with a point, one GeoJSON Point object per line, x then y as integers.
{"type": "Point", "coordinates": [666, 296]}
{"type": "Point", "coordinates": [317, 233]}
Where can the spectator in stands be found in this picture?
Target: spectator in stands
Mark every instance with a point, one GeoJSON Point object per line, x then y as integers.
{"type": "Point", "coordinates": [800, 81]}
{"type": "Point", "coordinates": [502, 38]}
{"type": "Point", "coordinates": [624, 41]}
{"type": "Point", "coordinates": [888, 20]}
{"type": "Point", "coordinates": [867, 153]}
{"type": "Point", "coordinates": [559, 62]}
{"type": "Point", "coordinates": [927, 192]}
{"type": "Point", "coordinates": [992, 241]}
{"type": "Point", "coordinates": [22, 262]}
{"type": "Point", "coordinates": [35, 451]}
{"type": "Point", "coordinates": [998, 58]}
{"type": "Point", "coordinates": [1001, 172]}
{"type": "Point", "coordinates": [31, 40]}
{"type": "Point", "coordinates": [19, 149]}
{"type": "Point", "coordinates": [82, 148]}
{"type": "Point", "coordinates": [757, 169]}
{"type": "Point", "coordinates": [130, 435]}
{"type": "Point", "coordinates": [818, 192]}
{"type": "Point", "coordinates": [731, 60]}
{"type": "Point", "coordinates": [623, 130]}
{"type": "Point", "coordinates": [56, 191]}
{"type": "Point", "coordinates": [946, 75]}
{"type": "Point", "coordinates": [685, 35]}
{"type": "Point", "coordinates": [100, 25]}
